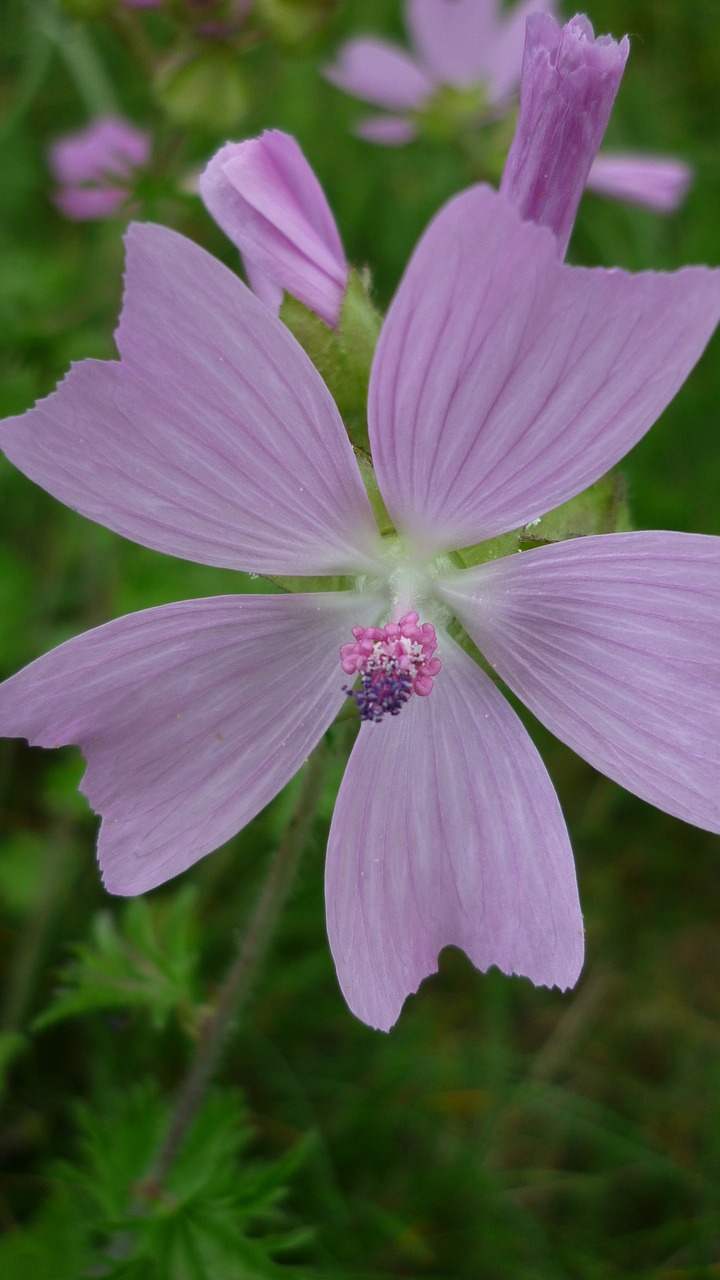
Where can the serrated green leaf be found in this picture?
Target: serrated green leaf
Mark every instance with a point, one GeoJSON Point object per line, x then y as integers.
{"type": "Point", "coordinates": [55, 1246]}
{"type": "Point", "coordinates": [264, 1184]}
{"type": "Point", "coordinates": [147, 960]}
{"type": "Point", "coordinates": [209, 1218]}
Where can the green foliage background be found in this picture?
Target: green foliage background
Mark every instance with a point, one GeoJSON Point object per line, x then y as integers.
{"type": "Point", "coordinates": [499, 1132]}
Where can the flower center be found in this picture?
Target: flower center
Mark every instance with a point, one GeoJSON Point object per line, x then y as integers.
{"type": "Point", "coordinates": [393, 662]}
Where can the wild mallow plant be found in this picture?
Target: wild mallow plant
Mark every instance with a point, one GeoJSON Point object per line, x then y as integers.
{"type": "Point", "coordinates": [504, 382]}
{"type": "Point", "coordinates": [462, 75]}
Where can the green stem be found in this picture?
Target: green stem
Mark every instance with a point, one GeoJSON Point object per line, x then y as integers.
{"type": "Point", "coordinates": [84, 65]}
{"type": "Point", "coordinates": [61, 868]}
{"type": "Point", "coordinates": [243, 969]}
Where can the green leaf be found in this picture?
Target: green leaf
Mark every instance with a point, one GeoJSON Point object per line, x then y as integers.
{"type": "Point", "coordinates": [12, 1045]}
{"type": "Point", "coordinates": [148, 960]}
{"type": "Point", "coordinates": [217, 1213]}
{"type": "Point", "coordinates": [55, 1247]}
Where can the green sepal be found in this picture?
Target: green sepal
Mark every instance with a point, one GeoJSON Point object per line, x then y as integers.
{"type": "Point", "coordinates": [377, 502]}
{"type": "Point", "coordinates": [288, 583]}
{"type": "Point", "coordinates": [342, 356]}
{"type": "Point", "coordinates": [451, 110]}
{"type": "Point", "coordinates": [602, 508]}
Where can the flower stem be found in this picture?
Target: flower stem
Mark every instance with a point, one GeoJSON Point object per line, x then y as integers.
{"type": "Point", "coordinates": [243, 969]}
{"type": "Point", "coordinates": [83, 63]}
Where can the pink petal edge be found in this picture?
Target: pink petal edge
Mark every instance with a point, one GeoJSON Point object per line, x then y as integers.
{"type": "Point", "coordinates": [612, 642]}
{"type": "Point", "coordinates": [214, 438]}
{"type": "Point", "coordinates": [192, 716]}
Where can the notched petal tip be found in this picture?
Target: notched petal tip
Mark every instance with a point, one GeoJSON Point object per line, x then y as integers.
{"type": "Point", "coordinates": [447, 832]}
{"type": "Point", "coordinates": [188, 722]}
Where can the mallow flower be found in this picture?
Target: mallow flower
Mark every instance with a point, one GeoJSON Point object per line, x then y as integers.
{"type": "Point", "coordinates": [96, 167]}
{"type": "Point", "coordinates": [504, 382]}
{"type": "Point", "coordinates": [466, 62]}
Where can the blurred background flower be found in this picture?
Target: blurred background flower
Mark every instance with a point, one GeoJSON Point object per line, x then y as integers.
{"type": "Point", "coordinates": [96, 167]}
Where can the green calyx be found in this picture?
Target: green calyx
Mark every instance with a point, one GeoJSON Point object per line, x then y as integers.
{"type": "Point", "coordinates": [342, 356]}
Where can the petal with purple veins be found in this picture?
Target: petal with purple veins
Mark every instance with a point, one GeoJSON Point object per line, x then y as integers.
{"type": "Point", "coordinates": [508, 47]}
{"type": "Point", "coordinates": [505, 382]}
{"type": "Point", "coordinates": [568, 86]}
{"type": "Point", "coordinates": [191, 717]}
{"type": "Point", "coordinates": [214, 438]}
{"type": "Point", "coordinates": [448, 832]}
{"type": "Point", "coordinates": [612, 642]}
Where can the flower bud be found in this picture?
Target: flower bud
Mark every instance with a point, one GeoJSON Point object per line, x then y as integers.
{"type": "Point", "coordinates": [568, 86]}
{"type": "Point", "coordinates": [267, 199]}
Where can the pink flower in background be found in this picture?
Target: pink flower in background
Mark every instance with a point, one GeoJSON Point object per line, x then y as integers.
{"type": "Point", "coordinates": [266, 198]}
{"type": "Point", "coordinates": [463, 44]}
{"type": "Point", "coordinates": [95, 167]}
{"type": "Point", "coordinates": [658, 182]}
{"type": "Point", "coordinates": [504, 382]}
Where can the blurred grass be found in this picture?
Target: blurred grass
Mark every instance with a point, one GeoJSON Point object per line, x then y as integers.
{"type": "Point", "coordinates": [499, 1131]}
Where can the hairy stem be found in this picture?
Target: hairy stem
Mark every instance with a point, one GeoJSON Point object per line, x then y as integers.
{"type": "Point", "coordinates": [244, 967]}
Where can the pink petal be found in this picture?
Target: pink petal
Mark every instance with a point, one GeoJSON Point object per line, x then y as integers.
{"type": "Point", "coordinates": [504, 382]}
{"type": "Point", "coordinates": [89, 204]}
{"type": "Point", "coordinates": [660, 183]}
{"type": "Point", "coordinates": [569, 82]}
{"type": "Point", "coordinates": [612, 642]}
{"type": "Point", "coordinates": [378, 72]}
{"type": "Point", "coordinates": [267, 199]}
{"type": "Point", "coordinates": [214, 439]}
{"type": "Point", "coordinates": [191, 716]}
{"type": "Point", "coordinates": [388, 131]}
{"type": "Point", "coordinates": [454, 38]}
{"type": "Point", "coordinates": [508, 47]}
{"type": "Point", "coordinates": [447, 831]}
{"type": "Point", "coordinates": [263, 287]}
